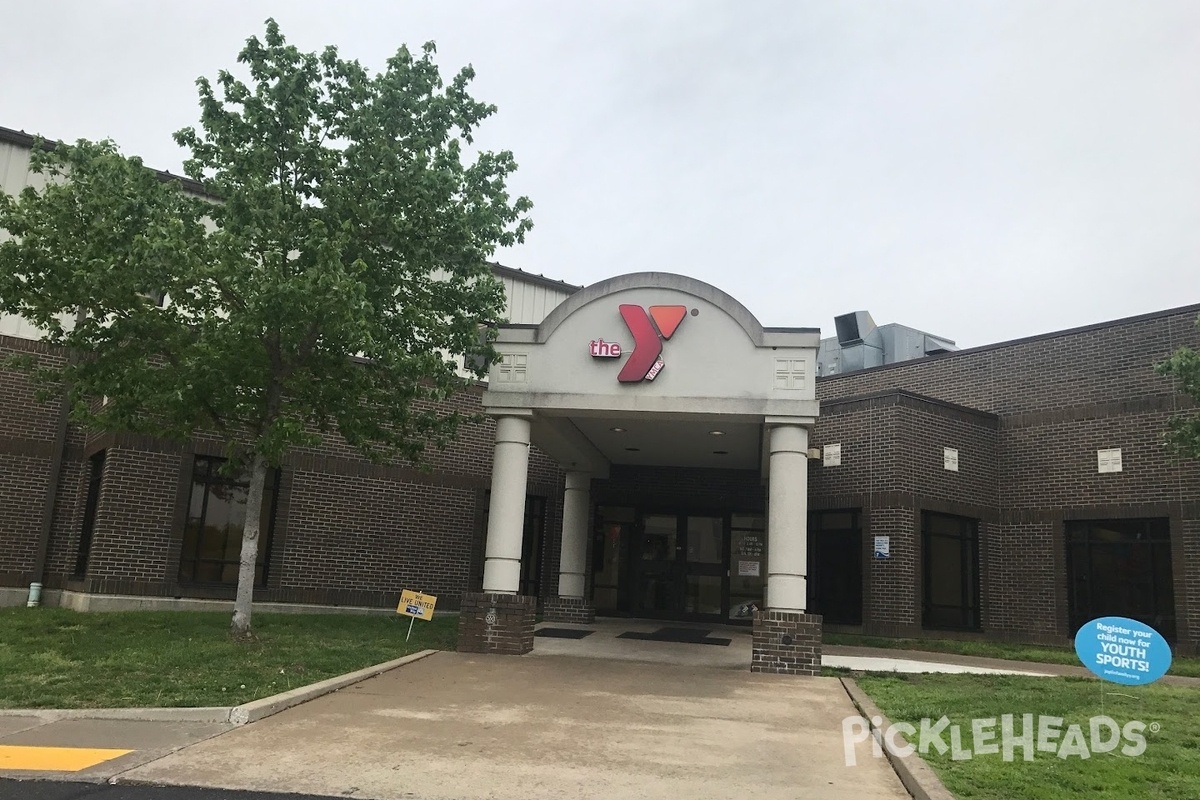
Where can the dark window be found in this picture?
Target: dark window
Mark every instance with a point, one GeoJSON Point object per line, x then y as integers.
{"type": "Point", "coordinates": [951, 571]}
{"type": "Point", "coordinates": [532, 543]}
{"type": "Point", "coordinates": [1121, 568]}
{"type": "Point", "coordinates": [89, 514]}
{"type": "Point", "coordinates": [532, 546]}
{"type": "Point", "coordinates": [835, 566]}
{"type": "Point", "coordinates": [212, 538]}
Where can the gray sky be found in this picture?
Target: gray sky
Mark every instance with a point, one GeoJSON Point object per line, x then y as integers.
{"type": "Point", "coordinates": [982, 170]}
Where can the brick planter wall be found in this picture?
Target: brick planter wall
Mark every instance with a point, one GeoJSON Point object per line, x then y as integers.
{"type": "Point", "coordinates": [568, 609]}
{"type": "Point", "coordinates": [496, 623]}
{"type": "Point", "coordinates": [786, 643]}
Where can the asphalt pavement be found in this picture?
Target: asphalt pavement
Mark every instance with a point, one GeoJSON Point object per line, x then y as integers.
{"type": "Point", "coordinates": [62, 790]}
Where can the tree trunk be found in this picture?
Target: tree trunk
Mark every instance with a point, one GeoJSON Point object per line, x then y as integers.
{"type": "Point", "coordinates": [242, 606]}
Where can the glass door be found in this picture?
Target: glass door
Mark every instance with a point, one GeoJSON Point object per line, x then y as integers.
{"type": "Point", "coordinates": [704, 592]}
{"type": "Point", "coordinates": [659, 566]}
{"type": "Point", "coordinates": [747, 566]}
{"type": "Point", "coordinates": [681, 565]}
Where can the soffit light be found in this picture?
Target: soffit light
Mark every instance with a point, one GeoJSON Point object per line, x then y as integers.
{"type": "Point", "coordinates": [716, 433]}
{"type": "Point", "coordinates": [617, 429]}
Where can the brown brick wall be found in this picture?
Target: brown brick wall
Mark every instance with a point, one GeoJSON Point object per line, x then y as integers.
{"type": "Point", "coordinates": [22, 498]}
{"type": "Point", "coordinates": [894, 442]}
{"type": "Point", "coordinates": [25, 418]}
{"type": "Point", "coordinates": [28, 429]}
{"type": "Point", "coordinates": [786, 643]}
{"type": "Point", "coordinates": [892, 469]}
{"type": "Point", "coordinates": [1056, 401]}
{"type": "Point", "coordinates": [1026, 417]}
{"type": "Point", "coordinates": [1189, 586]}
{"type": "Point", "coordinates": [135, 516]}
{"type": "Point", "coordinates": [68, 521]}
{"type": "Point", "coordinates": [500, 624]}
{"type": "Point", "coordinates": [1103, 363]}
{"type": "Point", "coordinates": [1020, 596]}
{"type": "Point", "coordinates": [568, 609]}
{"type": "Point", "coordinates": [892, 585]}
{"type": "Point", "coordinates": [376, 535]}
{"type": "Point", "coordinates": [348, 531]}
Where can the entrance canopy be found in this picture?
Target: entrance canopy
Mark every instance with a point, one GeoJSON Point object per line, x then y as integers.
{"type": "Point", "coordinates": [653, 368]}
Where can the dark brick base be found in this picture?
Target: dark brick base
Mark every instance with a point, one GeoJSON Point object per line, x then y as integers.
{"type": "Point", "coordinates": [496, 623]}
{"type": "Point", "coordinates": [786, 643]}
{"type": "Point", "coordinates": [568, 609]}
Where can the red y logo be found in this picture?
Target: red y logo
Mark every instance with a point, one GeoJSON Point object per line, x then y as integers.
{"type": "Point", "coordinates": [644, 362]}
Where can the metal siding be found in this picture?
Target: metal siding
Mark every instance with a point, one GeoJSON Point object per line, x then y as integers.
{"type": "Point", "coordinates": [529, 303]}
{"type": "Point", "coordinates": [15, 176]}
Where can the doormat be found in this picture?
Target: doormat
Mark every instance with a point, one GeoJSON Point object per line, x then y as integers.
{"type": "Point", "coordinates": [682, 635]}
{"type": "Point", "coordinates": [562, 633]}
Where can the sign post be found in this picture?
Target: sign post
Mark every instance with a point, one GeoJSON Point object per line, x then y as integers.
{"type": "Point", "coordinates": [415, 606]}
{"type": "Point", "coordinates": [1123, 651]}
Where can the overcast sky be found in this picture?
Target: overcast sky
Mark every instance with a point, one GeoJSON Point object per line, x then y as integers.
{"type": "Point", "coordinates": [981, 170]}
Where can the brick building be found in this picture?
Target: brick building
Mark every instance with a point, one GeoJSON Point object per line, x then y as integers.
{"type": "Point", "coordinates": [1011, 491]}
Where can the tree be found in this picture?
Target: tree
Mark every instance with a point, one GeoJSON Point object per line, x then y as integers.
{"type": "Point", "coordinates": [332, 287]}
{"type": "Point", "coordinates": [1183, 431]}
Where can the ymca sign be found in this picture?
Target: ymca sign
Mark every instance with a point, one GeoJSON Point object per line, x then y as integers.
{"type": "Point", "coordinates": [650, 328]}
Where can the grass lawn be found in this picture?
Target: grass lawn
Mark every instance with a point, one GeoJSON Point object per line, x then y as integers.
{"type": "Point", "coordinates": [54, 658]}
{"type": "Point", "coordinates": [1180, 665]}
{"type": "Point", "coordinates": [1169, 769]}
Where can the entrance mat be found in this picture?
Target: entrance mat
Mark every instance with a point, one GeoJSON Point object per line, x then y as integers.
{"type": "Point", "coordinates": [562, 633]}
{"type": "Point", "coordinates": [682, 635]}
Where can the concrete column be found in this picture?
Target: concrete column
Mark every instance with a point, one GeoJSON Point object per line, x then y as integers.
{"type": "Point", "coordinates": [572, 563]}
{"type": "Point", "coordinates": [787, 520]}
{"type": "Point", "coordinates": [506, 515]}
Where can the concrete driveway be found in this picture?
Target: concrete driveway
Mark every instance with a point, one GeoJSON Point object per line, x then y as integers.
{"type": "Point", "coordinates": [460, 726]}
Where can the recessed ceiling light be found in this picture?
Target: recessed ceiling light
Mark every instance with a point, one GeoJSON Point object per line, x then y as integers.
{"type": "Point", "coordinates": [617, 429]}
{"type": "Point", "coordinates": [633, 449]}
{"type": "Point", "coordinates": [716, 433]}
{"type": "Point", "coordinates": [720, 452]}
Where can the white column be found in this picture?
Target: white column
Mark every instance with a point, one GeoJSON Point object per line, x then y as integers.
{"type": "Point", "coordinates": [572, 562]}
{"type": "Point", "coordinates": [787, 520]}
{"type": "Point", "coordinates": [506, 515]}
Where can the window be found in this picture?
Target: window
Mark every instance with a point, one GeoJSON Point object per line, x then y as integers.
{"type": "Point", "coordinates": [531, 546]}
{"type": "Point", "coordinates": [89, 515]}
{"type": "Point", "coordinates": [531, 542]}
{"type": "Point", "coordinates": [835, 566]}
{"type": "Point", "coordinates": [1121, 568]}
{"type": "Point", "coordinates": [950, 547]}
{"type": "Point", "coordinates": [212, 538]}
{"type": "Point", "coordinates": [747, 564]}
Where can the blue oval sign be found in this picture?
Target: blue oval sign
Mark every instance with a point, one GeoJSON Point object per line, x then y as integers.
{"type": "Point", "coordinates": [1123, 650]}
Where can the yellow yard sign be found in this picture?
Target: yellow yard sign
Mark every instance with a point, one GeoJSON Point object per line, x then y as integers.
{"type": "Point", "coordinates": [416, 605]}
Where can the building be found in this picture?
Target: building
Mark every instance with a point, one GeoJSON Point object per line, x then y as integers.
{"type": "Point", "coordinates": [651, 450]}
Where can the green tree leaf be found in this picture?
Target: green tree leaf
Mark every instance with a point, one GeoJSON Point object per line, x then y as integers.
{"type": "Point", "coordinates": [334, 289]}
{"type": "Point", "coordinates": [1183, 431]}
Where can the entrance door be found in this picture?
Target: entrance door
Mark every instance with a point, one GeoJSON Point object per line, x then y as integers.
{"type": "Point", "coordinates": [680, 565]}
{"type": "Point", "coordinates": [659, 565]}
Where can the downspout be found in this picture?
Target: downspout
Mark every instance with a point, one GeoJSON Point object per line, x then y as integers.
{"type": "Point", "coordinates": [57, 456]}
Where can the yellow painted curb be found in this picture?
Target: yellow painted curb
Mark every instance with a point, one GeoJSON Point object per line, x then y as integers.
{"type": "Point", "coordinates": [55, 759]}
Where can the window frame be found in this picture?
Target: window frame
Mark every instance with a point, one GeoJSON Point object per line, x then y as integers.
{"type": "Point", "coordinates": [1157, 533]}
{"type": "Point", "coordinates": [970, 572]}
{"type": "Point", "coordinates": [208, 477]}
{"type": "Point", "coordinates": [91, 507]}
{"type": "Point", "coordinates": [820, 530]}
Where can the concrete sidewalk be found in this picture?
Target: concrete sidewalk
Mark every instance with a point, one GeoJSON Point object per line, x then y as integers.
{"type": "Point", "coordinates": [91, 750]}
{"type": "Point", "coordinates": [461, 726]}
{"type": "Point", "coordinates": [603, 641]}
